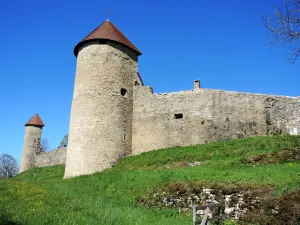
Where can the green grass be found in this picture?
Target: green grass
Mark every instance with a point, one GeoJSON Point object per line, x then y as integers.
{"type": "Point", "coordinates": [41, 196]}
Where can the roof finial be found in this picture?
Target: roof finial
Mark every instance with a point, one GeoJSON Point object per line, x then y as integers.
{"type": "Point", "coordinates": [108, 13]}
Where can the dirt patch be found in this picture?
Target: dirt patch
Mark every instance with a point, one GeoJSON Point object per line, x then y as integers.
{"type": "Point", "coordinates": [284, 210]}
{"type": "Point", "coordinates": [233, 201]}
{"type": "Point", "coordinates": [281, 156]}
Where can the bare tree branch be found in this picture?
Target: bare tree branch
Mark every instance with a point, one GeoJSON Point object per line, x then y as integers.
{"type": "Point", "coordinates": [284, 27]}
{"type": "Point", "coordinates": [45, 146]}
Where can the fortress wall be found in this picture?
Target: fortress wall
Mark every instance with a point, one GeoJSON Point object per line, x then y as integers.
{"type": "Point", "coordinates": [57, 156]}
{"type": "Point", "coordinates": [284, 116]}
{"type": "Point", "coordinates": [207, 115]}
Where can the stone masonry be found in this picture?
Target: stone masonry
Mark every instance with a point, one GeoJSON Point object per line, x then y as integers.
{"type": "Point", "coordinates": [31, 147]}
{"type": "Point", "coordinates": [207, 115]}
{"type": "Point", "coordinates": [101, 116]}
{"type": "Point", "coordinates": [54, 157]}
{"type": "Point", "coordinates": [113, 114]}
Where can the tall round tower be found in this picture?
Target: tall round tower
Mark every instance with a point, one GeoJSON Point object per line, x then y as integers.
{"type": "Point", "coordinates": [101, 114]}
{"type": "Point", "coordinates": [33, 132]}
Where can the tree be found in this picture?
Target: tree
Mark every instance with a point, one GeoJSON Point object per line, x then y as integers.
{"type": "Point", "coordinates": [44, 146]}
{"type": "Point", "coordinates": [8, 165]}
{"type": "Point", "coordinates": [284, 27]}
{"type": "Point", "coordinates": [64, 141]}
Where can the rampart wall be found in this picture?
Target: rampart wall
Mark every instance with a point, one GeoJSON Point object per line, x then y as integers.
{"type": "Point", "coordinates": [283, 116]}
{"type": "Point", "coordinates": [54, 157]}
{"type": "Point", "coordinates": [204, 115]}
{"type": "Point", "coordinates": [207, 115]}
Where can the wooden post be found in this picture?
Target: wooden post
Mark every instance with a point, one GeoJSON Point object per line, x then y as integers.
{"type": "Point", "coordinates": [194, 214]}
{"type": "Point", "coordinates": [205, 217]}
{"type": "Point", "coordinates": [205, 220]}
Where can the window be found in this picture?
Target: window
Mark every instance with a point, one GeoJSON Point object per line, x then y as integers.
{"type": "Point", "coordinates": [124, 137]}
{"type": "Point", "coordinates": [178, 116]}
{"type": "Point", "coordinates": [38, 142]}
{"type": "Point", "coordinates": [123, 92]}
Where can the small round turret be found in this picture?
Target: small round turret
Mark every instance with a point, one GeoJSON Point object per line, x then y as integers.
{"type": "Point", "coordinates": [33, 132]}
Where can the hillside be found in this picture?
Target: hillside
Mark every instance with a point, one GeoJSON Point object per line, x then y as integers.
{"type": "Point", "coordinates": [124, 193]}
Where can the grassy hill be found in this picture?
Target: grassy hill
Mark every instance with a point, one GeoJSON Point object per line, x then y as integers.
{"type": "Point", "coordinates": [41, 196]}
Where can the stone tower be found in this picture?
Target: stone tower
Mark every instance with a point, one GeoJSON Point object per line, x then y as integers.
{"type": "Point", "coordinates": [101, 114]}
{"type": "Point", "coordinates": [33, 132]}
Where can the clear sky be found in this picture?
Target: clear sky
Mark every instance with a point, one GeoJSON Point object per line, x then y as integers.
{"type": "Point", "coordinates": [219, 42]}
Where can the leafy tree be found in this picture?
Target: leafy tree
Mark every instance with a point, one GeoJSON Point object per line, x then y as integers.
{"type": "Point", "coordinates": [8, 165]}
{"type": "Point", "coordinates": [284, 27]}
{"type": "Point", "coordinates": [64, 141]}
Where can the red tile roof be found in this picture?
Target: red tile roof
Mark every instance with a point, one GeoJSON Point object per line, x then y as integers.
{"type": "Point", "coordinates": [107, 31]}
{"type": "Point", "coordinates": [35, 120]}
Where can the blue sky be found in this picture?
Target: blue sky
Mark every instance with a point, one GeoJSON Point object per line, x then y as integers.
{"type": "Point", "coordinates": [219, 42]}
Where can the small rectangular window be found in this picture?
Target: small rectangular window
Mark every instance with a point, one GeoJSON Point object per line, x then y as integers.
{"type": "Point", "coordinates": [123, 92]}
{"type": "Point", "coordinates": [178, 116]}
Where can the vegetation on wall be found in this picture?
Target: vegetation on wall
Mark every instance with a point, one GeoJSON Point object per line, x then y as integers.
{"type": "Point", "coordinates": [45, 146]}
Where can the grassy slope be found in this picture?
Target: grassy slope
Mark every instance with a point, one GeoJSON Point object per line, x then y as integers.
{"type": "Point", "coordinates": [40, 196]}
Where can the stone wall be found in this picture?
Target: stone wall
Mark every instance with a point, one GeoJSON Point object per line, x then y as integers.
{"type": "Point", "coordinates": [204, 115]}
{"type": "Point", "coordinates": [55, 157]}
{"type": "Point", "coordinates": [207, 115]}
{"type": "Point", "coordinates": [283, 116]}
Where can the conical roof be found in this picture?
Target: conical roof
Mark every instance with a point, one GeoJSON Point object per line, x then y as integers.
{"type": "Point", "coordinates": [35, 121]}
{"type": "Point", "coordinates": [107, 31]}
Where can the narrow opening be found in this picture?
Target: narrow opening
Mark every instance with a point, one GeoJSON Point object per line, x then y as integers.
{"type": "Point", "coordinates": [178, 116]}
{"type": "Point", "coordinates": [123, 92]}
{"type": "Point", "coordinates": [38, 144]}
{"type": "Point", "coordinates": [136, 83]}
{"type": "Point", "coordinates": [124, 137]}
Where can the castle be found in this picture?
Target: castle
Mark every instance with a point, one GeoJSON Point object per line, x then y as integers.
{"type": "Point", "coordinates": [114, 115]}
